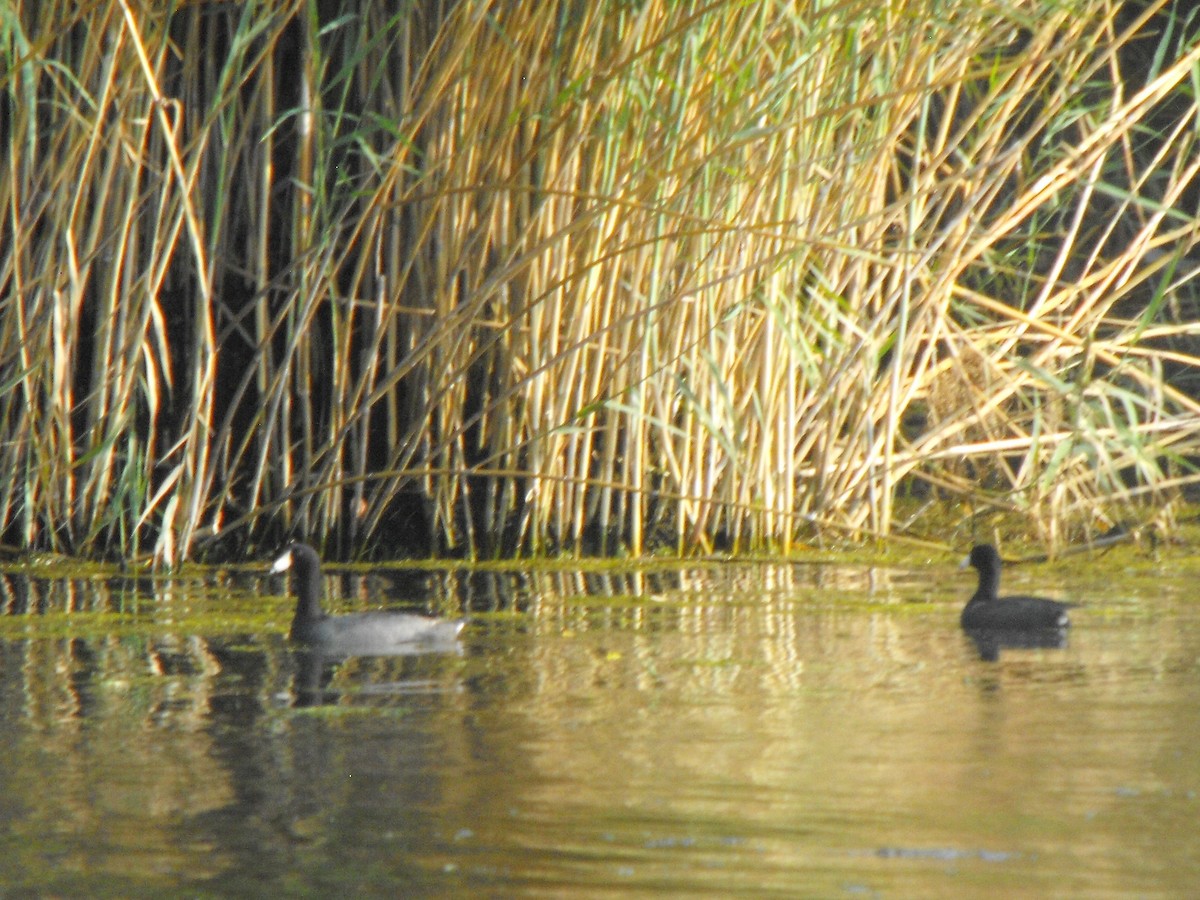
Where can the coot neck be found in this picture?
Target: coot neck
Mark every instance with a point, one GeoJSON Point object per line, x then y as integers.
{"type": "Point", "coordinates": [989, 584]}
{"type": "Point", "coordinates": [308, 591]}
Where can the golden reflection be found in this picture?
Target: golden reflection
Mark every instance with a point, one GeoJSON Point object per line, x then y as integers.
{"type": "Point", "coordinates": [747, 715]}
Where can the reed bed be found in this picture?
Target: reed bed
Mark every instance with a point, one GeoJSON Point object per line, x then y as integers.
{"type": "Point", "coordinates": [592, 277]}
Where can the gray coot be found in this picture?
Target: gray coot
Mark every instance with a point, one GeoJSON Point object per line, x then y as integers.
{"type": "Point", "coordinates": [361, 634]}
{"type": "Point", "coordinates": [986, 611]}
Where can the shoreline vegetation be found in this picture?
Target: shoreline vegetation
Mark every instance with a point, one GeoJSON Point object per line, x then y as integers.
{"type": "Point", "coordinates": [485, 280]}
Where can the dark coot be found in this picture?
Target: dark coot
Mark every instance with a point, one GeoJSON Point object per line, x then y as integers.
{"type": "Point", "coordinates": [985, 610]}
{"type": "Point", "coordinates": [363, 634]}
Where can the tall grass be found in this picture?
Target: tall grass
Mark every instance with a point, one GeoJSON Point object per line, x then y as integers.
{"type": "Point", "coordinates": [591, 276]}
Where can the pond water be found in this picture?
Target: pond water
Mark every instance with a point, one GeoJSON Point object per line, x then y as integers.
{"type": "Point", "coordinates": [719, 729]}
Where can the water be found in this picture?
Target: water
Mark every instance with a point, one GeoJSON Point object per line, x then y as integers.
{"type": "Point", "coordinates": [725, 730]}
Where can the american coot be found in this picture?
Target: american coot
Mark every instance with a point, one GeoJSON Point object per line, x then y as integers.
{"type": "Point", "coordinates": [358, 634]}
{"type": "Point", "coordinates": [985, 610]}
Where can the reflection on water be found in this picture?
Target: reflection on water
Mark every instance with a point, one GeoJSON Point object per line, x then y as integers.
{"type": "Point", "coordinates": [722, 729]}
{"type": "Point", "coordinates": [990, 641]}
{"type": "Point", "coordinates": [324, 680]}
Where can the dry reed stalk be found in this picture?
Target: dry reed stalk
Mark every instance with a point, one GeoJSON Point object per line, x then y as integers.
{"type": "Point", "coordinates": [590, 276]}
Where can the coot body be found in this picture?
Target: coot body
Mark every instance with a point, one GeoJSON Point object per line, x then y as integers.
{"type": "Point", "coordinates": [987, 610]}
{"type": "Point", "coordinates": [358, 634]}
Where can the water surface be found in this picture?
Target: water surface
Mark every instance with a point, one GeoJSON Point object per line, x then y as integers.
{"type": "Point", "coordinates": [721, 729]}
